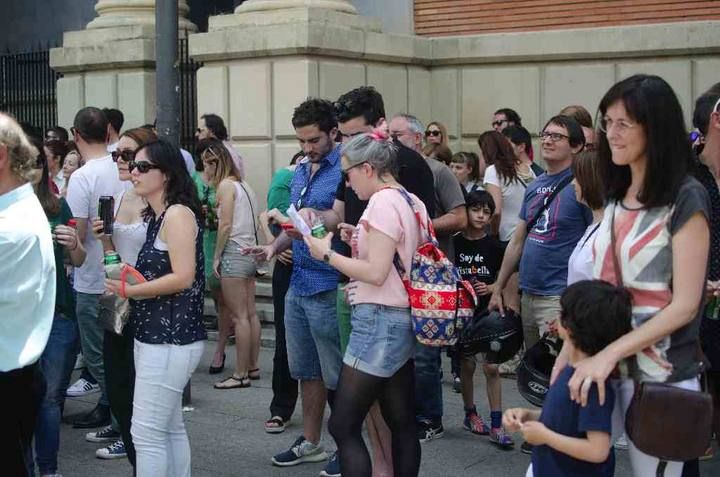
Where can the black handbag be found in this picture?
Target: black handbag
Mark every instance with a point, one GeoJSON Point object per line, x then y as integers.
{"type": "Point", "coordinates": [664, 421]}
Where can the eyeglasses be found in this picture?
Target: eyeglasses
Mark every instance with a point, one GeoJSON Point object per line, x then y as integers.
{"type": "Point", "coordinates": [496, 124]}
{"type": "Point", "coordinates": [215, 158]}
{"type": "Point", "coordinates": [715, 108]}
{"type": "Point", "coordinates": [126, 155]}
{"type": "Point", "coordinates": [142, 167]}
{"type": "Point", "coordinates": [553, 136]}
{"type": "Point", "coordinates": [433, 133]}
{"type": "Point", "coordinates": [345, 172]}
{"type": "Point", "coordinates": [621, 126]}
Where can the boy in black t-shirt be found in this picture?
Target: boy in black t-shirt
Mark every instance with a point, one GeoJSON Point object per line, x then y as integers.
{"type": "Point", "coordinates": [571, 440]}
{"type": "Point", "coordinates": [478, 257]}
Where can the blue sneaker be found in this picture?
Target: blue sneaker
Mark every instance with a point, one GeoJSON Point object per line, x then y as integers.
{"type": "Point", "coordinates": [332, 469]}
{"type": "Point", "coordinates": [301, 451]}
{"type": "Point", "coordinates": [116, 450]}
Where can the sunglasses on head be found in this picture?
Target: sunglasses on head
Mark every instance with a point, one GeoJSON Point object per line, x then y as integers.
{"type": "Point", "coordinates": [126, 155]}
{"type": "Point", "coordinates": [142, 166]}
{"type": "Point", "coordinates": [433, 133]}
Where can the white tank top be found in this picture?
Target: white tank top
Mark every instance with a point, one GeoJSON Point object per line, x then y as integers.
{"type": "Point", "coordinates": [243, 230]}
{"type": "Point", "coordinates": [128, 238]}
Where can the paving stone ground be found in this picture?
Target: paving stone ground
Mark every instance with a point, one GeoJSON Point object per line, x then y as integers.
{"type": "Point", "coordinates": [227, 436]}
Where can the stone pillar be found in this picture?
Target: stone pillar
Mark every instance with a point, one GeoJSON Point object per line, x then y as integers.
{"type": "Point", "coordinates": [118, 13]}
{"type": "Point", "coordinates": [271, 55]}
{"type": "Point", "coordinates": [112, 62]}
{"type": "Point", "coordinates": [267, 5]}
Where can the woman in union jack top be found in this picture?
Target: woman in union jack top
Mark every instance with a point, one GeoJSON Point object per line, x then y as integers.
{"type": "Point", "coordinates": [654, 239]}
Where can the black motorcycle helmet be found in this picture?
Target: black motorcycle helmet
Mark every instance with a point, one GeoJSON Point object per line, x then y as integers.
{"type": "Point", "coordinates": [533, 372]}
{"type": "Point", "coordinates": [499, 337]}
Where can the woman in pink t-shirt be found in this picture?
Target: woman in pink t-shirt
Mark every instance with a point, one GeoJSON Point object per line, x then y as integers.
{"type": "Point", "coordinates": [378, 364]}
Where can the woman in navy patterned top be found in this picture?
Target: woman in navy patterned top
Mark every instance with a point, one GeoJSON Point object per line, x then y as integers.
{"type": "Point", "coordinates": [167, 310]}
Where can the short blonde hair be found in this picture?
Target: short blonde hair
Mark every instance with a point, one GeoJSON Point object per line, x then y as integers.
{"type": "Point", "coordinates": [21, 153]}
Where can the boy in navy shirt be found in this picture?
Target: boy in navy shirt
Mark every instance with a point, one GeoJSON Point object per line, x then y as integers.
{"type": "Point", "coordinates": [571, 440]}
{"type": "Point", "coordinates": [478, 257]}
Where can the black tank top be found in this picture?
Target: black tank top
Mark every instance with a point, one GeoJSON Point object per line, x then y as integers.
{"type": "Point", "coordinates": [170, 319]}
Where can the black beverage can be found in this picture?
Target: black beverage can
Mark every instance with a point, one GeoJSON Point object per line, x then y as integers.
{"type": "Point", "coordinates": [106, 212]}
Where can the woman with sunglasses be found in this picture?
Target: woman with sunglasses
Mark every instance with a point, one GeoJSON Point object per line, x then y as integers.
{"type": "Point", "coordinates": [58, 357]}
{"type": "Point", "coordinates": [168, 327]}
{"type": "Point", "coordinates": [654, 239]}
{"type": "Point", "coordinates": [436, 133]}
{"type": "Point", "coordinates": [128, 237]}
{"type": "Point", "coordinates": [378, 363]}
{"type": "Point", "coordinates": [237, 229]}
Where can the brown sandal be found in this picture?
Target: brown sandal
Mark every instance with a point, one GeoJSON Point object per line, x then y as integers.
{"type": "Point", "coordinates": [254, 374]}
{"type": "Point", "coordinates": [233, 382]}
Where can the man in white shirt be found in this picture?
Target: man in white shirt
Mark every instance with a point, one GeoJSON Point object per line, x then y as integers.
{"type": "Point", "coordinates": [98, 177]}
{"type": "Point", "coordinates": [27, 295]}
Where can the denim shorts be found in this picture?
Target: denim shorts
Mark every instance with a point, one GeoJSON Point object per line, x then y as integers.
{"type": "Point", "coordinates": [313, 340]}
{"type": "Point", "coordinates": [382, 339]}
{"type": "Point", "coordinates": [234, 264]}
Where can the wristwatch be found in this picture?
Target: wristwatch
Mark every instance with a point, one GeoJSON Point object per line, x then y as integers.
{"type": "Point", "coordinates": [328, 254]}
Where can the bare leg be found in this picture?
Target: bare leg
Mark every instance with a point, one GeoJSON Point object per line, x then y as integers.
{"type": "Point", "coordinates": [235, 294]}
{"type": "Point", "coordinates": [494, 387]}
{"type": "Point", "coordinates": [314, 395]}
{"type": "Point", "coordinates": [380, 441]}
{"type": "Point", "coordinates": [224, 327]}
{"type": "Point", "coordinates": [467, 371]}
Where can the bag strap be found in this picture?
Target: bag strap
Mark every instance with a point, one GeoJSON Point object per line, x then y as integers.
{"type": "Point", "coordinates": [549, 200]}
{"type": "Point", "coordinates": [252, 211]}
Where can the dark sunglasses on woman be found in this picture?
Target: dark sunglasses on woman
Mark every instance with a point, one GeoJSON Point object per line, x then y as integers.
{"type": "Point", "coordinates": [434, 133]}
{"type": "Point", "coordinates": [142, 166]}
{"type": "Point", "coordinates": [126, 155]}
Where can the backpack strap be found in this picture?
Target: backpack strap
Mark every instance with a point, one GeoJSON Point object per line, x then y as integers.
{"type": "Point", "coordinates": [548, 201]}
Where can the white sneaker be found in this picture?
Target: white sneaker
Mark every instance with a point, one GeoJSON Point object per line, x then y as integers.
{"type": "Point", "coordinates": [116, 450]}
{"type": "Point", "coordinates": [82, 387]}
{"type": "Point", "coordinates": [622, 443]}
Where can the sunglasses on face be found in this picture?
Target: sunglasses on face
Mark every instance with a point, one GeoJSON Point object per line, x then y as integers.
{"type": "Point", "coordinates": [345, 172]}
{"type": "Point", "coordinates": [433, 133]}
{"type": "Point", "coordinates": [126, 155]}
{"type": "Point", "coordinates": [498, 123]}
{"type": "Point", "coordinates": [142, 166]}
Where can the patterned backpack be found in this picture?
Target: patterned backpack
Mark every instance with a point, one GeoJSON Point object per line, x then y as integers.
{"type": "Point", "coordinates": [441, 302]}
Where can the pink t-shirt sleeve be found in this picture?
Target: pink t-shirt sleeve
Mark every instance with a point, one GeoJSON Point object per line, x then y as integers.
{"type": "Point", "coordinates": [382, 215]}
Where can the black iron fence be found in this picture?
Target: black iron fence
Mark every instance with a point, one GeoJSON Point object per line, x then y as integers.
{"type": "Point", "coordinates": [27, 87]}
{"type": "Point", "coordinates": [188, 96]}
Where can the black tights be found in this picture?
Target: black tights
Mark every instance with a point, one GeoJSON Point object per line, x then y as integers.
{"type": "Point", "coordinates": [356, 393]}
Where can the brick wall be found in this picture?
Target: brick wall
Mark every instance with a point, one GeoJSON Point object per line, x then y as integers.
{"type": "Point", "coordinates": [462, 17]}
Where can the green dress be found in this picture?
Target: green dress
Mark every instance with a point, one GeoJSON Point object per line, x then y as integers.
{"type": "Point", "coordinates": [64, 296]}
{"type": "Point", "coordinates": [206, 193]}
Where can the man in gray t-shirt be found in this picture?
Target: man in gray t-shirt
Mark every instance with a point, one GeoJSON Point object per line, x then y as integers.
{"type": "Point", "coordinates": [450, 217]}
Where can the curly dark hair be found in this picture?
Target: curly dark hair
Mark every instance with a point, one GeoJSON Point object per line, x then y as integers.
{"type": "Point", "coordinates": [179, 188]}
{"type": "Point", "coordinates": [364, 101]}
{"type": "Point", "coordinates": [315, 111]}
{"type": "Point", "coordinates": [595, 313]}
{"type": "Point", "coordinates": [216, 125]}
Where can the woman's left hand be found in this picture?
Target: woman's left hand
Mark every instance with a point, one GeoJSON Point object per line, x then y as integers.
{"type": "Point", "coordinates": [595, 369]}
{"type": "Point", "coordinates": [318, 247]}
{"type": "Point", "coordinates": [66, 236]}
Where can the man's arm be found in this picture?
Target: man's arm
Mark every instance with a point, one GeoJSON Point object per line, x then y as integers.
{"type": "Point", "coordinates": [509, 264]}
{"type": "Point", "coordinates": [454, 221]}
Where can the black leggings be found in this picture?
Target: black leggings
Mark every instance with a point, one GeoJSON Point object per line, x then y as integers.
{"type": "Point", "coordinates": [356, 393]}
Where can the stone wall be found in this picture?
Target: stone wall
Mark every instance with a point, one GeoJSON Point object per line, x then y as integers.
{"type": "Point", "coordinates": [255, 82]}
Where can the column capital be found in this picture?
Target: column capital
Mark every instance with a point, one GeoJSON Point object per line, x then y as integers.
{"type": "Point", "coordinates": [122, 13]}
{"type": "Point", "coordinates": [252, 6]}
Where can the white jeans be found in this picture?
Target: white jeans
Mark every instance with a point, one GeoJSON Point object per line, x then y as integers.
{"type": "Point", "coordinates": [158, 430]}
